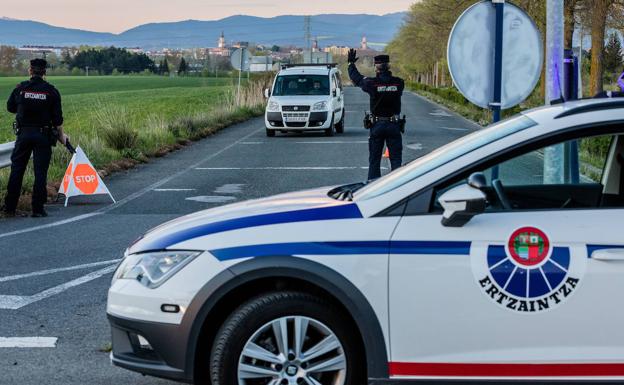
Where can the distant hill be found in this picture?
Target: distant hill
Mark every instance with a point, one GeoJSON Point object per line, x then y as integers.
{"type": "Point", "coordinates": [331, 29]}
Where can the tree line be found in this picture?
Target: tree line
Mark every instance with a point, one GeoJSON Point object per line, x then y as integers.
{"type": "Point", "coordinates": [419, 49]}
{"type": "Point", "coordinates": [107, 60]}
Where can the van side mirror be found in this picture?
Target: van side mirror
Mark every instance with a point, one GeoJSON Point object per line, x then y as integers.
{"type": "Point", "coordinates": [334, 93]}
{"type": "Point", "coordinates": [267, 93]}
{"type": "Point", "coordinates": [461, 204]}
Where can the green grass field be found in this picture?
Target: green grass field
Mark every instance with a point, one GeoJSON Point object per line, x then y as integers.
{"type": "Point", "coordinates": [118, 117]}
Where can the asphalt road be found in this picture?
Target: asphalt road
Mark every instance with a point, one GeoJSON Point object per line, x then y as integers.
{"type": "Point", "coordinates": [55, 272]}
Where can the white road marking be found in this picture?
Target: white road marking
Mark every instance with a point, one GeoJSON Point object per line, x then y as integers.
{"type": "Point", "coordinates": [14, 302]}
{"type": "Point", "coordinates": [415, 146]}
{"type": "Point", "coordinates": [173, 189]}
{"type": "Point", "coordinates": [455, 128]}
{"type": "Point", "coordinates": [247, 143]}
{"type": "Point", "coordinates": [53, 224]}
{"type": "Point", "coordinates": [28, 342]}
{"type": "Point", "coordinates": [211, 199]}
{"type": "Point", "coordinates": [233, 188]}
{"type": "Point", "coordinates": [337, 142]}
{"type": "Point", "coordinates": [439, 112]}
{"type": "Point", "coordinates": [58, 270]}
{"type": "Point", "coordinates": [277, 168]}
{"type": "Point", "coordinates": [131, 197]}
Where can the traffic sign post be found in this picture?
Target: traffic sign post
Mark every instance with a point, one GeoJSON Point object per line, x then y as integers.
{"type": "Point", "coordinates": [240, 60]}
{"type": "Point", "coordinates": [498, 61]}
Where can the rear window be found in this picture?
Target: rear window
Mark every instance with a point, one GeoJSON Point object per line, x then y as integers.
{"type": "Point", "coordinates": [293, 85]}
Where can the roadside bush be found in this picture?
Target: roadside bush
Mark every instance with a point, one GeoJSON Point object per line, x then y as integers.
{"type": "Point", "coordinates": [115, 127]}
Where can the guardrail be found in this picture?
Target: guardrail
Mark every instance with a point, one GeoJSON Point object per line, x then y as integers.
{"type": "Point", "coordinates": [5, 154]}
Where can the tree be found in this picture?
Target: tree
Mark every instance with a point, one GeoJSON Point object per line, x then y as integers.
{"type": "Point", "coordinates": [108, 59]}
{"type": "Point", "coordinates": [613, 54]}
{"type": "Point", "coordinates": [8, 59]}
{"type": "Point", "coordinates": [570, 21]}
{"type": "Point", "coordinates": [183, 67]}
{"type": "Point", "coordinates": [599, 10]}
{"type": "Point", "coordinates": [164, 67]}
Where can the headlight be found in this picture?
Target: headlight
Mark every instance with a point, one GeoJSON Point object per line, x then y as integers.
{"type": "Point", "coordinates": [273, 106]}
{"type": "Point", "coordinates": [153, 269]}
{"type": "Point", "coordinates": [320, 106]}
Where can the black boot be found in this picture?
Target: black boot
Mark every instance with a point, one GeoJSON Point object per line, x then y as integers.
{"type": "Point", "coordinates": [39, 214]}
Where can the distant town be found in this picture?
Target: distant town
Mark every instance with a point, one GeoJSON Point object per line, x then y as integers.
{"type": "Point", "coordinates": [196, 60]}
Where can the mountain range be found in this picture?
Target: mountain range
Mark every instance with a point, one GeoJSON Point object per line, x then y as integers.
{"type": "Point", "coordinates": [330, 29]}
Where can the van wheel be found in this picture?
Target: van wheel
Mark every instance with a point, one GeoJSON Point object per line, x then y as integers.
{"type": "Point", "coordinates": [270, 133]}
{"type": "Point", "coordinates": [286, 338]}
{"type": "Point", "coordinates": [331, 130]}
{"type": "Point", "coordinates": [340, 124]}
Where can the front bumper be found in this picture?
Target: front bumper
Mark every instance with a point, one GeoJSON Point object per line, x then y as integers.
{"type": "Point", "coordinates": [167, 356]}
{"type": "Point", "coordinates": [314, 121]}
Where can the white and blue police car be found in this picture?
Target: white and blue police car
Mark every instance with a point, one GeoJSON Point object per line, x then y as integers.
{"type": "Point", "coordinates": [475, 262]}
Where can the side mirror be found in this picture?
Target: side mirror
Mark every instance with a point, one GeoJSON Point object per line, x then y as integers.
{"type": "Point", "coordinates": [267, 93]}
{"type": "Point", "coordinates": [461, 204]}
{"type": "Point", "coordinates": [334, 93]}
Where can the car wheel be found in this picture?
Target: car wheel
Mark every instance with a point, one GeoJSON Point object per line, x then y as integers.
{"type": "Point", "coordinates": [340, 124]}
{"type": "Point", "coordinates": [331, 130]}
{"type": "Point", "coordinates": [286, 338]}
{"type": "Point", "coordinates": [270, 133]}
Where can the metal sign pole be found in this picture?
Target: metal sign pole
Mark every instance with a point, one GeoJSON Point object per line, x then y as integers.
{"type": "Point", "coordinates": [240, 72]}
{"type": "Point", "coordinates": [498, 61]}
{"type": "Point", "coordinates": [498, 68]}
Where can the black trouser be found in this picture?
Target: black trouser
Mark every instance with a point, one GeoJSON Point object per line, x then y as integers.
{"type": "Point", "coordinates": [390, 134]}
{"type": "Point", "coordinates": [29, 141]}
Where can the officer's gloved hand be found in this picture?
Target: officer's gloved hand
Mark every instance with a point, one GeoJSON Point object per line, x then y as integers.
{"type": "Point", "coordinates": [352, 58]}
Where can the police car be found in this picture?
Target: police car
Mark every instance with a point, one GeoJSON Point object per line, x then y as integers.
{"type": "Point", "coordinates": [475, 262]}
{"type": "Point", "coordinates": [306, 97]}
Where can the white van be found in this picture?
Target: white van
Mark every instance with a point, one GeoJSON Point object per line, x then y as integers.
{"type": "Point", "coordinates": [306, 97]}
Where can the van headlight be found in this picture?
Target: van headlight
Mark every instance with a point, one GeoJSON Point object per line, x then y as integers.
{"type": "Point", "coordinates": [320, 106]}
{"type": "Point", "coordinates": [153, 269]}
{"type": "Point", "coordinates": [273, 106]}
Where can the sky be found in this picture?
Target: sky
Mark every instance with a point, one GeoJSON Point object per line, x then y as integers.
{"type": "Point", "coordinates": [119, 15]}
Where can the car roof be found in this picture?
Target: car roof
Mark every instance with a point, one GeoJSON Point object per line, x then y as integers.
{"type": "Point", "coordinates": [578, 112]}
{"type": "Point", "coordinates": [305, 70]}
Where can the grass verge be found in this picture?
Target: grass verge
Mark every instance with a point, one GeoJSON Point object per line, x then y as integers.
{"type": "Point", "coordinates": [120, 128]}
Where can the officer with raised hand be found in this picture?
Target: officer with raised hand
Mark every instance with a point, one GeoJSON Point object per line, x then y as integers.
{"type": "Point", "coordinates": [385, 122]}
{"type": "Point", "coordinates": [38, 125]}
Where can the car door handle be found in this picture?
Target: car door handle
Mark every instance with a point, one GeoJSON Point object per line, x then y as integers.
{"type": "Point", "coordinates": [608, 255]}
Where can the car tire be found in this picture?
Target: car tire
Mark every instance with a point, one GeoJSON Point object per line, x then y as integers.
{"type": "Point", "coordinates": [270, 133]}
{"type": "Point", "coordinates": [340, 124]}
{"type": "Point", "coordinates": [332, 128]}
{"type": "Point", "coordinates": [255, 326]}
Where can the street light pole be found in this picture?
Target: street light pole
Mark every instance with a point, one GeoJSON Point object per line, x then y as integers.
{"type": "Point", "coordinates": [554, 155]}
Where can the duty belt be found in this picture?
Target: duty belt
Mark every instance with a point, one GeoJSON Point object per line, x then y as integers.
{"type": "Point", "coordinates": [393, 119]}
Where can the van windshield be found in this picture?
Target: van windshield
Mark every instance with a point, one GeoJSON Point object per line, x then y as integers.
{"type": "Point", "coordinates": [291, 85]}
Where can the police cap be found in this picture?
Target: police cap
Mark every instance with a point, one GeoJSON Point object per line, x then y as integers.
{"type": "Point", "coordinates": [38, 63]}
{"type": "Point", "coordinates": [381, 59]}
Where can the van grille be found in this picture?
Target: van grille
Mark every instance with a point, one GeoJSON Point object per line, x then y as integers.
{"type": "Point", "coordinates": [295, 108]}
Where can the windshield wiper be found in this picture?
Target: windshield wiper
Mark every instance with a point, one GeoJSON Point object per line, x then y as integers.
{"type": "Point", "coordinates": [345, 193]}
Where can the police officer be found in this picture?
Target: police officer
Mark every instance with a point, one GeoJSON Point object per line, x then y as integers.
{"type": "Point", "coordinates": [386, 124]}
{"type": "Point", "coordinates": [37, 105]}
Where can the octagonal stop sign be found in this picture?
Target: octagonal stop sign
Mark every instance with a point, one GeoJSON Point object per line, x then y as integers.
{"type": "Point", "coordinates": [86, 179]}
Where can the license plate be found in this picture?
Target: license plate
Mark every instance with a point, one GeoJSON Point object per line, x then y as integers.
{"type": "Point", "coordinates": [290, 119]}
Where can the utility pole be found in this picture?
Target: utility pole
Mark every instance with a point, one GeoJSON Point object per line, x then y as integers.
{"type": "Point", "coordinates": [554, 155]}
{"type": "Point", "coordinates": [307, 27]}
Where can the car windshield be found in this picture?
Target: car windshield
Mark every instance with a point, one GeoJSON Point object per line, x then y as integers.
{"type": "Point", "coordinates": [291, 85]}
{"type": "Point", "coordinates": [444, 155]}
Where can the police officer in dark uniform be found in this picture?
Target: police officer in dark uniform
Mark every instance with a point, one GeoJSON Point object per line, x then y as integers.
{"type": "Point", "coordinates": [385, 122]}
{"type": "Point", "coordinates": [38, 124]}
